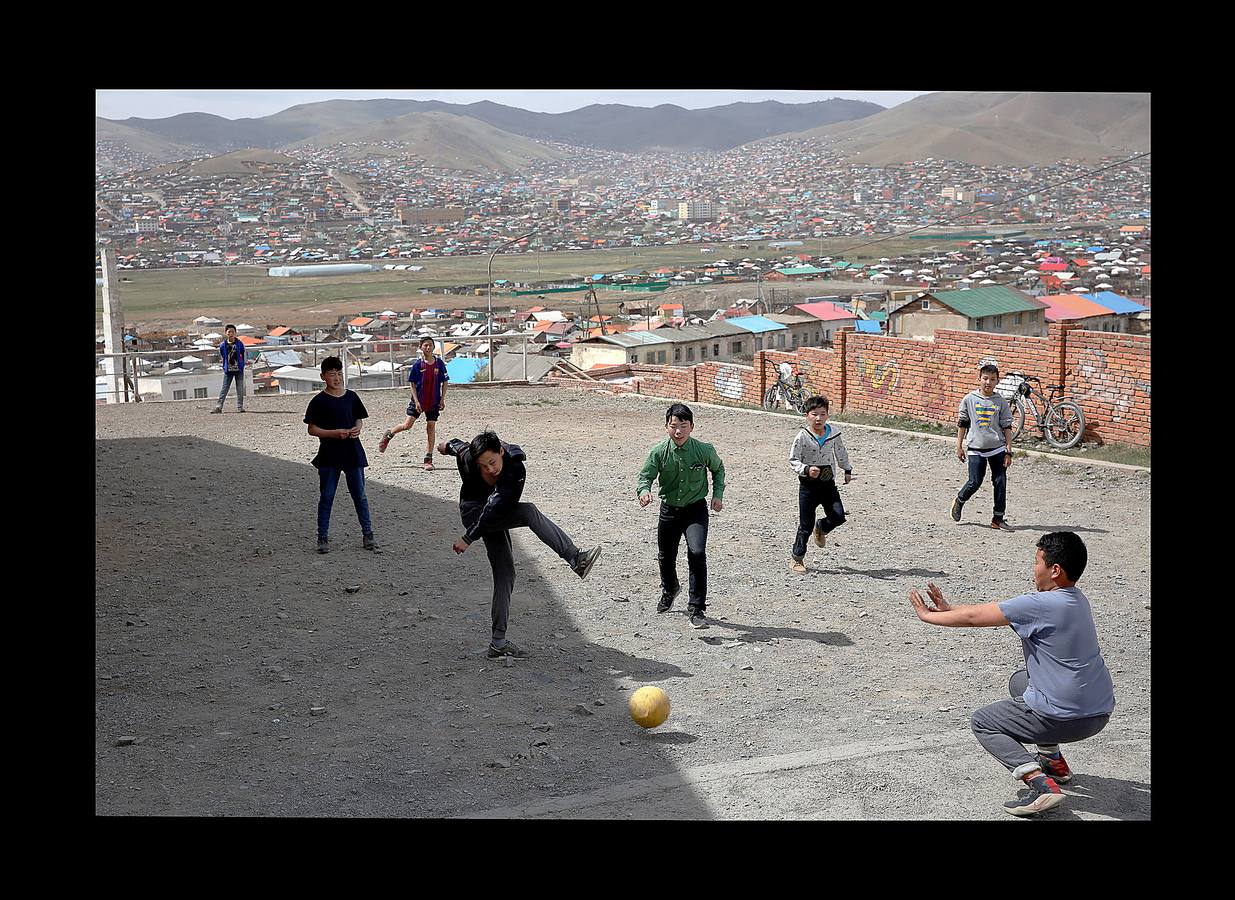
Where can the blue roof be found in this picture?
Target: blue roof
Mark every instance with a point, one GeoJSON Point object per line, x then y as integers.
{"type": "Point", "coordinates": [755, 324]}
{"type": "Point", "coordinates": [463, 369]}
{"type": "Point", "coordinates": [1115, 303]}
{"type": "Point", "coordinates": [867, 327]}
{"type": "Point", "coordinates": [1041, 243]}
{"type": "Point", "coordinates": [1095, 249]}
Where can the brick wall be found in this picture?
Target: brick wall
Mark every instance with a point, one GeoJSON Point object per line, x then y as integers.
{"type": "Point", "coordinates": [1108, 374]}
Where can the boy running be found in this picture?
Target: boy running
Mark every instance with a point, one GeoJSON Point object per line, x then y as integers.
{"type": "Point", "coordinates": [817, 455]}
{"type": "Point", "coordinates": [493, 477]}
{"type": "Point", "coordinates": [428, 377]}
{"type": "Point", "coordinates": [984, 434]}
{"type": "Point", "coordinates": [682, 464]}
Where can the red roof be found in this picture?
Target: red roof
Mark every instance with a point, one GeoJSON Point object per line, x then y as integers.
{"type": "Point", "coordinates": [1067, 307]}
{"type": "Point", "coordinates": [825, 311]}
{"type": "Point", "coordinates": [249, 341]}
{"type": "Point", "coordinates": [1053, 267]}
{"type": "Point", "coordinates": [278, 332]}
{"type": "Point", "coordinates": [359, 322]}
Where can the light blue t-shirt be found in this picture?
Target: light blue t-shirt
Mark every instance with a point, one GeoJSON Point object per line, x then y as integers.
{"type": "Point", "coordinates": [1068, 678]}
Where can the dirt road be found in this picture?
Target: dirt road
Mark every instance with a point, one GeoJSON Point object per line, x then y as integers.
{"type": "Point", "coordinates": [219, 630]}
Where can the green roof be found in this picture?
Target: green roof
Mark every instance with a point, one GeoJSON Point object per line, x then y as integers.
{"type": "Point", "coordinates": [802, 270]}
{"type": "Point", "coordinates": [996, 300]}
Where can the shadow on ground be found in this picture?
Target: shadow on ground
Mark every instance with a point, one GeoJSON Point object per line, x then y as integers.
{"type": "Point", "coordinates": [759, 633]}
{"type": "Point", "coordinates": [1113, 798]}
{"type": "Point", "coordinates": [250, 676]}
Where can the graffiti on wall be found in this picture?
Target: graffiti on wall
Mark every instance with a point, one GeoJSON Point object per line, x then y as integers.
{"type": "Point", "coordinates": [728, 382]}
{"type": "Point", "coordinates": [935, 398]}
{"type": "Point", "coordinates": [878, 380]}
{"type": "Point", "coordinates": [1096, 383]}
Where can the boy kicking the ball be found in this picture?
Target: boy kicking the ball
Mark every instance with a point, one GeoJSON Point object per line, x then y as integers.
{"type": "Point", "coordinates": [493, 477]}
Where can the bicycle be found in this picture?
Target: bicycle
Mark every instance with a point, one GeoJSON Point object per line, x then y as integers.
{"type": "Point", "coordinates": [1062, 421]}
{"type": "Point", "coordinates": [788, 392]}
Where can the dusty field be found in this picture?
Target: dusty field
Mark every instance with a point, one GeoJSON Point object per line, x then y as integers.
{"type": "Point", "coordinates": [218, 628]}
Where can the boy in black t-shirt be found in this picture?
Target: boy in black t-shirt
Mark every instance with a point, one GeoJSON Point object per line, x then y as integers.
{"type": "Point", "coordinates": [334, 417]}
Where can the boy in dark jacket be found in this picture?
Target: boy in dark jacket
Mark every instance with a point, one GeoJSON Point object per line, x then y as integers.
{"type": "Point", "coordinates": [493, 477]}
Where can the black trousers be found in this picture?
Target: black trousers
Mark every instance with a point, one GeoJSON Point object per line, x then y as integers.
{"type": "Point", "coordinates": [674, 522]}
{"type": "Point", "coordinates": [813, 493]}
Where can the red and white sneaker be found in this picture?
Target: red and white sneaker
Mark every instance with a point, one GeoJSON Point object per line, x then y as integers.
{"type": "Point", "coordinates": [1039, 794]}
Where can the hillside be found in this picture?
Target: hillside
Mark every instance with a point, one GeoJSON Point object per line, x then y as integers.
{"type": "Point", "coordinates": [448, 141]}
{"type": "Point", "coordinates": [159, 149]}
{"type": "Point", "coordinates": [242, 162]}
{"type": "Point", "coordinates": [610, 126]}
{"type": "Point", "coordinates": [997, 128]}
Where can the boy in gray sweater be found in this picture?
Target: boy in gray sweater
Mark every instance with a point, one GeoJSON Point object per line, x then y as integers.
{"type": "Point", "coordinates": [818, 455]}
{"type": "Point", "coordinates": [984, 436]}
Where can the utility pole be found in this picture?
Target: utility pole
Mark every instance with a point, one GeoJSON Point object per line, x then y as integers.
{"type": "Point", "coordinates": [113, 324]}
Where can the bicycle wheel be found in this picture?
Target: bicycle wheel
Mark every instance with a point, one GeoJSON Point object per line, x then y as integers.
{"type": "Point", "coordinates": [771, 400]}
{"type": "Point", "coordinates": [1065, 424]}
{"type": "Point", "coordinates": [1018, 414]}
{"type": "Point", "coordinates": [797, 399]}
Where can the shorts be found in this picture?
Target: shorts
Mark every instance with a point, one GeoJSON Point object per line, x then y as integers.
{"type": "Point", "coordinates": [430, 416]}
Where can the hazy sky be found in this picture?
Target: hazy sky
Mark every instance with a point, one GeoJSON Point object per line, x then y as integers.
{"type": "Point", "coordinates": [157, 104]}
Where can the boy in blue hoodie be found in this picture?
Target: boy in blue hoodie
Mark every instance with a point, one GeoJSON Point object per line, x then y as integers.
{"type": "Point", "coordinates": [493, 477]}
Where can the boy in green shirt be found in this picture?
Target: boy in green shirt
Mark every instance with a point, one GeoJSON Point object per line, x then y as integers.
{"type": "Point", "coordinates": [682, 464]}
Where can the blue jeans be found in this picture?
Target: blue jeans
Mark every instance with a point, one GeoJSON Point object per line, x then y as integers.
{"type": "Point", "coordinates": [999, 480]}
{"type": "Point", "coordinates": [328, 477]}
{"type": "Point", "coordinates": [228, 378]}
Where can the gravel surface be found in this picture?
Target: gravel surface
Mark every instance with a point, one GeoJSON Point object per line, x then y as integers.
{"type": "Point", "coordinates": [240, 673]}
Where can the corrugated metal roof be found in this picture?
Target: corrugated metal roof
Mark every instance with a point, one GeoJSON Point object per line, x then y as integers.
{"type": "Point", "coordinates": [867, 327]}
{"type": "Point", "coordinates": [995, 300]}
{"type": "Point", "coordinates": [1116, 302]}
{"type": "Point", "coordinates": [826, 311]}
{"type": "Point", "coordinates": [755, 324]}
{"type": "Point", "coordinates": [1067, 307]}
{"type": "Point", "coordinates": [632, 339]}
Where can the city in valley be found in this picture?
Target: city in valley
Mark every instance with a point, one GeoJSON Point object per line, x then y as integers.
{"type": "Point", "coordinates": [906, 346]}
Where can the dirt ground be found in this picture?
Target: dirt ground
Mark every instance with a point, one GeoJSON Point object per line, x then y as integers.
{"type": "Point", "coordinates": [240, 673]}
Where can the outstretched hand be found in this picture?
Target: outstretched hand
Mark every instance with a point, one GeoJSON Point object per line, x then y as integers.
{"type": "Point", "coordinates": [936, 595]}
{"type": "Point", "coordinates": [920, 606]}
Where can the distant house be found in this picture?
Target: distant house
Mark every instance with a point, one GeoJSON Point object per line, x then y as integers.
{"type": "Point", "coordinates": [997, 308]}
{"type": "Point", "coordinates": [831, 316]}
{"type": "Point", "coordinates": [1103, 311]}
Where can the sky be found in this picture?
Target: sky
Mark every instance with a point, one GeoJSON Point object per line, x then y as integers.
{"type": "Point", "coordinates": [236, 104]}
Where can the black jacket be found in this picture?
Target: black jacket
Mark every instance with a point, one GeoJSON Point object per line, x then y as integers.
{"type": "Point", "coordinates": [499, 499]}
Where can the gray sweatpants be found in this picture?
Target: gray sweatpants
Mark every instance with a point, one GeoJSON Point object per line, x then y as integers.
{"type": "Point", "coordinates": [501, 555]}
{"type": "Point", "coordinates": [1003, 726]}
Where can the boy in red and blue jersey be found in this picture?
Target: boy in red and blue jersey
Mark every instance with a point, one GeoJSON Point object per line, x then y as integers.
{"type": "Point", "coordinates": [428, 377]}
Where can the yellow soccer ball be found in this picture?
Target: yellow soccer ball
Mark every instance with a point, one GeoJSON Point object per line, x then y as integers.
{"type": "Point", "coordinates": [649, 707]}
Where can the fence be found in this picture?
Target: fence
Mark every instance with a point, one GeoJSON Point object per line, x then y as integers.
{"type": "Point", "coordinates": [126, 376]}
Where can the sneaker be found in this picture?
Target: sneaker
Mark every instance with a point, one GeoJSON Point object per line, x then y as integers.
{"type": "Point", "coordinates": [240, 409]}
{"type": "Point", "coordinates": [797, 566]}
{"type": "Point", "coordinates": [957, 506]}
{"type": "Point", "coordinates": [585, 560]}
{"type": "Point", "coordinates": [371, 544]}
{"type": "Point", "coordinates": [1040, 794]}
{"type": "Point", "coordinates": [697, 619]}
{"type": "Point", "coordinates": [385, 441]}
{"type": "Point", "coordinates": [666, 600]}
{"type": "Point", "coordinates": [821, 539]}
{"type": "Point", "coordinates": [1000, 525]}
{"type": "Point", "coordinates": [428, 462]}
{"type": "Point", "coordinates": [216, 410]}
{"type": "Point", "coordinates": [1056, 768]}
{"type": "Point", "coordinates": [508, 650]}
{"type": "Point", "coordinates": [323, 545]}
